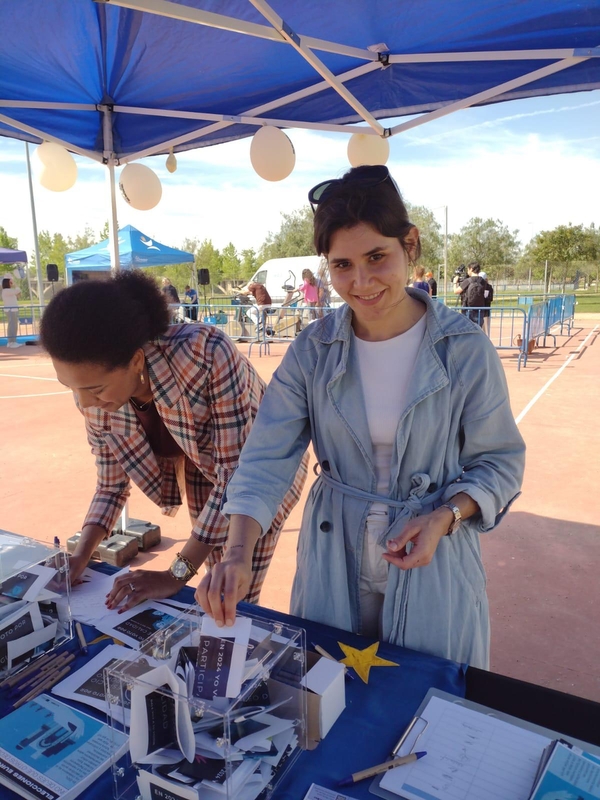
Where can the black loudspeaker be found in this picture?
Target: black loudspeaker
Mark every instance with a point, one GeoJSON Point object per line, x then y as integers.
{"type": "Point", "coordinates": [52, 272]}
{"type": "Point", "coordinates": [203, 277]}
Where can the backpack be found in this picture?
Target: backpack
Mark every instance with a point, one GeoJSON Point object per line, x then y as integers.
{"type": "Point", "coordinates": [476, 292]}
{"type": "Point", "coordinates": [489, 294]}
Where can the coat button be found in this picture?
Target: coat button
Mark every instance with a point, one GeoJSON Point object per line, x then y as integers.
{"type": "Point", "coordinates": [325, 526]}
{"type": "Point", "coordinates": [325, 466]}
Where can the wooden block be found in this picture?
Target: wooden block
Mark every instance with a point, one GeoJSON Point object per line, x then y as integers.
{"type": "Point", "coordinates": [147, 534]}
{"type": "Point", "coordinates": [118, 549]}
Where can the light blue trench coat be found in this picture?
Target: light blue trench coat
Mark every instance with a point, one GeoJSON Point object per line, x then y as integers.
{"type": "Point", "coordinates": [456, 434]}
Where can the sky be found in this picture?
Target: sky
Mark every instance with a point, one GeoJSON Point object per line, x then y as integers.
{"type": "Point", "coordinates": [532, 164]}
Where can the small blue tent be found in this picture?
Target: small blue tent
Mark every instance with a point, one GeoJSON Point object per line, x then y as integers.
{"type": "Point", "coordinates": [136, 251]}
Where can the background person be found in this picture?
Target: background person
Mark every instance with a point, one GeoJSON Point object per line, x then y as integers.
{"type": "Point", "coordinates": [419, 281]}
{"type": "Point", "coordinates": [472, 293]}
{"type": "Point", "coordinates": [168, 408]}
{"type": "Point", "coordinates": [310, 291]}
{"type": "Point", "coordinates": [432, 283]}
{"type": "Point", "coordinates": [172, 298]}
{"type": "Point", "coordinates": [10, 300]}
{"type": "Point", "coordinates": [406, 405]}
{"type": "Point", "coordinates": [190, 297]}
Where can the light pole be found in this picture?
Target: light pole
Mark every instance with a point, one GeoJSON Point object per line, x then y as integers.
{"type": "Point", "coordinates": [445, 249]}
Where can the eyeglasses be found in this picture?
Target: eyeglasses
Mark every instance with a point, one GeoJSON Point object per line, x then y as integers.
{"type": "Point", "coordinates": [366, 177]}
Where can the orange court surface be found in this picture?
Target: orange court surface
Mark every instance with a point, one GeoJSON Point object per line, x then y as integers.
{"type": "Point", "coordinates": [543, 560]}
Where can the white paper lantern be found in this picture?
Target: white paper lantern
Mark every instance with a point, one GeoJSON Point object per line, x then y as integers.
{"type": "Point", "coordinates": [140, 187]}
{"type": "Point", "coordinates": [57, 169]}
{"type": "Point", "coordinates": [272, 154]}
{"type": "Point", "coordinates": [171, 162]}
{"type": "Point", "coordinates": [365, 149]}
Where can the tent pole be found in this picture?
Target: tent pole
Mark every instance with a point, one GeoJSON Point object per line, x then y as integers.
{"type": "Point", "coordinates": [113, 227]}
{"type": "Point", "coordinates": [38, 264]}
{"type": "Point", "coordinates": [109, 159]}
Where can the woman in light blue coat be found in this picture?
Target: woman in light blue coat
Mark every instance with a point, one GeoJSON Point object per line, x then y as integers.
{"type": "Point", "coordinates": [406, 405]}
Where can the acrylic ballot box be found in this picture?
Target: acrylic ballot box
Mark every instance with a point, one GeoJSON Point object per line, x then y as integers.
{"type": "Point", "coordinates": [34, 600]}
{"type": "Point", "coordinates": [211, 713]}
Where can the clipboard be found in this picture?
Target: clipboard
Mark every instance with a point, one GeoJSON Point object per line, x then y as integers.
{"type": "Point", "coordinates": [410, 738]}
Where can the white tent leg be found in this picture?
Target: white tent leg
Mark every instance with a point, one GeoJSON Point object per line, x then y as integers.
{"type": "Point", "coordinates": [38, 265]}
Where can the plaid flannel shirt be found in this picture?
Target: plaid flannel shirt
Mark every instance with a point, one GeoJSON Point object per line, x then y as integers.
{"type": "Point", "coordinates": [207, 394]}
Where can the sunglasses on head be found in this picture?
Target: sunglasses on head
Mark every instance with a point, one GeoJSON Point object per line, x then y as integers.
{"type": "Point", "coordinates": [365, 177]}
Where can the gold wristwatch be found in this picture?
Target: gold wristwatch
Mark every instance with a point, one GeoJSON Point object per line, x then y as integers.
{"type": "Point", "coordinates": [182, 569]}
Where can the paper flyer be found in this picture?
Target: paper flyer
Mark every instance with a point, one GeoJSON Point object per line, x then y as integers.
{"type": "Point", "coordinates": [221, 658]}
{"type": "Point", "coordinates": [321, 793]}
{"type": "Point", "coordinates": [51, 751]}
{"type": "Point", "coordinates": [27, 584]}
{"type": "Point", "coordinates": [134, 626]}
{"type": "Point", "coordinates": [86, 685]}
{"type": "Point", "coordinates": [25, 621]}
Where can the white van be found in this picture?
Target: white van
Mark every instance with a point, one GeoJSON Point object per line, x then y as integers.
{"type": "Point", "coordinates": [279, 272]}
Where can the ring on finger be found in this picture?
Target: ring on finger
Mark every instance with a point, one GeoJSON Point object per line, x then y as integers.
{"type": "Point", "coordinates": [132, 587]}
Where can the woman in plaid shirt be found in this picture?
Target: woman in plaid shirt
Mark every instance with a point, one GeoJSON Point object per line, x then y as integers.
{"type": "Point", "coordinates": [168, 407]}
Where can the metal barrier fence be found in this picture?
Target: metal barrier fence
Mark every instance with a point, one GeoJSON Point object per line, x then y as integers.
{"type": "Point", "coordinates": [518, 328]}
{"type": "Point", "coordinates": [20, 327]}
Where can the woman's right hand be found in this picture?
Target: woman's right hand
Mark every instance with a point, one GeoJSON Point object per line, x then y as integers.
{"type": "Point", "coordinates": [223, 587]}
{"type": "Point", "coordinates": [77, 564]}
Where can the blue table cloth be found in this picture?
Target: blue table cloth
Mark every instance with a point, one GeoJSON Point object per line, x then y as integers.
{"type": "Point", "coordinates": [375, 717]}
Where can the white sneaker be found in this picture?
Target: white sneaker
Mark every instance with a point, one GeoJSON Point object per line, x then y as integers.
{"type": "Point", "coordinates": [15, 344]}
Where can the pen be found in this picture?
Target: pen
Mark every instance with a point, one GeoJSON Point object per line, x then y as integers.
{"type": "Point", "coordinates": [47, 684]}
{"type": "Point", "coordinates": [322, 652]}
{"type": "Point", "coordinates": [369, 773]}
{"type": "Point", "coordinates": [34, 678]}
{"type": "Point", "coordinates": [82, 642]}
{"type": "Point", "coordinates": [34, 667]}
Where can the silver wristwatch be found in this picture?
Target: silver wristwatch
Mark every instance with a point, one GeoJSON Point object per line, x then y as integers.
{"type": "Point", "coordinates": [455, 524]}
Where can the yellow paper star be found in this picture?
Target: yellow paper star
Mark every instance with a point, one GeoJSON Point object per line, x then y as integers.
{"type": "Point", "coordinates": [361, 661]}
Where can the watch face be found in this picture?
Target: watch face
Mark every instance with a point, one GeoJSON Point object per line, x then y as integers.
{"type": "Point", "coordinates": [179, 568]}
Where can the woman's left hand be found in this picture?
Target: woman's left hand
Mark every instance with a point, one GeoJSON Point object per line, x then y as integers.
{"type": "Point", "coordinates": [425, 533]}
{"type": "Point", "coordinates": [134, 587]}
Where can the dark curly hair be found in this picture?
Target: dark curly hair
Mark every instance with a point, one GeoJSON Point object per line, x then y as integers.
{"type": "Point", "coordinates": [104, 322]}
{"type": "Point", "coordinates": [349, 203]}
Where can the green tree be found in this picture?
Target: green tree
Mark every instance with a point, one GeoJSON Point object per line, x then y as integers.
{"type": "Point", "coordinates": [53, 248]}
{"type": "Point", "coordinates": [430, 233]}
{"type": "Point", "coordinates": [8, 241]}
{"type": "Point", "coordinates": [249, 263]}
{"type": "Point", "coordinates": [207, 256]}
{"type": "Point", "coordinates": [563, 246]}
{"type": "Point", "coordinates": [103, 234]}
{"type": "Point", "coordinates": [232, 266]}
{"type": "Point", "coordinates": [294, 237]}
{"type": "Point", "coordinates": [487, 241]}
{"type": "Point", "coordinates": [83, 240]}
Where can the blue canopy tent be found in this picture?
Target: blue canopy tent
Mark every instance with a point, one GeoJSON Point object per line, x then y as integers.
{"type": "Point", "coordinates": [117, 80]}
{"type": "Point", "coordinates": [8, 256]}
{"type": "Point", "coordinates": [136, 251]}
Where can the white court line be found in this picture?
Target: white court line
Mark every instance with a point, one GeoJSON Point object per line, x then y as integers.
{"type": "Point", "coordinates": [27, 377]}
{"type": "Point", "coordinates": [532, 402]}
{"type": "Point", "coordinates": [42, 394]}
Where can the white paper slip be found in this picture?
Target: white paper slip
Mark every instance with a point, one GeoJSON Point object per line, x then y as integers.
{"type": "Point", "coordinates": [470, 756]}
{"type": "Point", "coordinates": [317, 792]}
{"type": "Point", "coordinates": [88, 598]}
{"type": "Point", "coordinates": [221, 658]}
{"type": "Point", "coordinates": [132, 627]}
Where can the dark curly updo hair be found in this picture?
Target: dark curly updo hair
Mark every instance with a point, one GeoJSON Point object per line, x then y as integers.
{"type": "Point", "coordinates": [104, 322]}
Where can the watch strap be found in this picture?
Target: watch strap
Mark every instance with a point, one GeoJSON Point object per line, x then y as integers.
{"type": "Point", "coordinates": [455, 524]}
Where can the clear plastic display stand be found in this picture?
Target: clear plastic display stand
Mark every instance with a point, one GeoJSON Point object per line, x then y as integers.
{"type": "Point", "coordinates": [35, 612]}
{"type": "Point", "coordinates": [187, 739]}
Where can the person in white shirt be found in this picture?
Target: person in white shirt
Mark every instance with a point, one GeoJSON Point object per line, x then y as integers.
{"type": "Point", "coordinates": [10, 294]}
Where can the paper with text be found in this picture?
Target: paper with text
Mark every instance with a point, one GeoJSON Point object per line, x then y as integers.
{"type": "Point", "coordinates": [470, 756]}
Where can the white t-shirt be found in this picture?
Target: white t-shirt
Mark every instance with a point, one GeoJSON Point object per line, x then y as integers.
{"type": "Point", "coordinates": [385, 372]}
{"type": "Point", "coordinates": [9, 297]}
